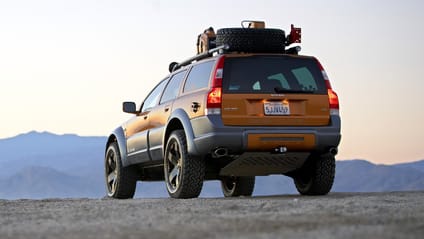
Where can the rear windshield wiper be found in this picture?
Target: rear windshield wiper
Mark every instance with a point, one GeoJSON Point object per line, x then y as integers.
{"type": "Point", "coordinates": [281, 90]}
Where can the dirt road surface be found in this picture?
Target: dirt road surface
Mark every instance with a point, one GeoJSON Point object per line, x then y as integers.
{"type": "Point", "coordinates": [337, 215]}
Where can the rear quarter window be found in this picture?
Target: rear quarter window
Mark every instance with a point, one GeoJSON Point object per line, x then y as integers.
{"type": "Point", "coordinates": [173, 88]}
{"type": "Point", "coordinates": [199, 76]}
{"type": "Point", "coordinates": [273, 74]}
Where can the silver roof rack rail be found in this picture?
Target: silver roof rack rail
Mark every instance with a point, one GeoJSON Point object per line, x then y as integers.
{"type": "Point", "coordinates": [175, 65]}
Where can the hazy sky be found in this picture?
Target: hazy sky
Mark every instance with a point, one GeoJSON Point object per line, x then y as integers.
{"type": "Point", "coordinates": [66, 66]}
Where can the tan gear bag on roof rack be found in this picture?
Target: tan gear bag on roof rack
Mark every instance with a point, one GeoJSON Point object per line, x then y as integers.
{"type": "Point", "coordinates": [206, 40]}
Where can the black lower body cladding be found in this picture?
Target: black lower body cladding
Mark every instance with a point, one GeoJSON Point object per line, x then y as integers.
{"type": "Point", "coordinates": [252, 40]}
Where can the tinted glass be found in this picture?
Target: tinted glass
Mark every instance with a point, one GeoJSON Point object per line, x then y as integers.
{"type": "Point", "coordinates": [273, 74]}
{"type": "Point", "coordinates": [198, 77]}
{"type": "Point", "coordinates": [153, 98]}
{"type": "Point", "coordinates": [173, 88]}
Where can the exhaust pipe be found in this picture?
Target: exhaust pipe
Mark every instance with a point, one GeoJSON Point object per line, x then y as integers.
{"type": "Point", "coordinates": [220, 152]}
{"type": "Point", "coordinates": [333, 151]}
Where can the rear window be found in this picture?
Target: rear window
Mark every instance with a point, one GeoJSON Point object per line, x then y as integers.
{"type": "Point", "coordinates": [273, 74]}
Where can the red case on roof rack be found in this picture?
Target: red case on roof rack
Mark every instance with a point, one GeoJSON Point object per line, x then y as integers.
{"type": "Point", "coordinates": [295, 35]}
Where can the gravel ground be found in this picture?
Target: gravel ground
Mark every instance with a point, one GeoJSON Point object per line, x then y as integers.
{"type": "Point", "coordinates": [338, 215]}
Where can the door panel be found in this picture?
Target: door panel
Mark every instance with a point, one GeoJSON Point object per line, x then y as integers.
{"type": "Point", "coordinates": [136, 131]}
{"type": "Point", "coordinates": [158, 118]}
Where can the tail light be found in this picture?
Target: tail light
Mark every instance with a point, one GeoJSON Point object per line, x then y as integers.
{"type": "Point", "coordinates": [214, 100]}
{"type": "Point", "coordinates": [334, 102]}
{"type": "Point", "coordinates": [333, 99]}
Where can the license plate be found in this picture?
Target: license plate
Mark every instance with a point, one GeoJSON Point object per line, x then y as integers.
{"type": "Point", "coordinates": [276, 108]}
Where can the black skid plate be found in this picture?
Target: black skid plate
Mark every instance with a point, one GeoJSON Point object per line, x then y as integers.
{"type": "Point", "coordinates": [256, 164]}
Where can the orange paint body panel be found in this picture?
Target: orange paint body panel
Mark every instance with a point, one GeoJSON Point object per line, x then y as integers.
{"type": "Point", "coordinates": [248, 110]}
{"type": "Point", "coordinates": [293, 142]}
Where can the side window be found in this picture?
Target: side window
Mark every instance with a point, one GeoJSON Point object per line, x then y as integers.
{"type": "Point", "coordinates": [152, 99]}
{"type": "Point", "coordinates": [198, 77]}
{"type": "Point", "coordinates": [172, 89]}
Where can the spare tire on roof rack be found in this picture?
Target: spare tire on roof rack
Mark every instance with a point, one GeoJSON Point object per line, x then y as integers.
{"type": "Point", "coordinates": [253, 40]}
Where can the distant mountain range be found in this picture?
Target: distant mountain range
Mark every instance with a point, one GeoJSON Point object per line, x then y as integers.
{"type": "Point", "coordinates": [46, 165]}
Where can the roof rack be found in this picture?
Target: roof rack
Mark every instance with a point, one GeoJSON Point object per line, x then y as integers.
{"type": "Point", "coordinates": [175, 65]}
{"type": "Point", "coordinates": [208, 37]}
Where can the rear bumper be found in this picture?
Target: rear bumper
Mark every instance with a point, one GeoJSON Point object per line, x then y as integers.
{"type": "Point", "coordinates": [210, 134]}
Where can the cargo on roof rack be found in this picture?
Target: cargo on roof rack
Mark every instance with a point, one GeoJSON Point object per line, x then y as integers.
{"type": "Point", "coordinates": [252, 37]}
{"type": "Point", "coordinates": [206, 40]}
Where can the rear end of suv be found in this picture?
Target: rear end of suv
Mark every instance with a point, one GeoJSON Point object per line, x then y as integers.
{"type": "Point", "coordinates": [233, 116]}
{"type": "Point", "coordinates": [270, 114]}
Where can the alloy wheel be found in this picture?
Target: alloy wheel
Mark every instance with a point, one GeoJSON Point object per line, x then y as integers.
{"type": "Point", "coordinates": [174, 166]}
{"type": "Point", "coordinates": [111, 172]}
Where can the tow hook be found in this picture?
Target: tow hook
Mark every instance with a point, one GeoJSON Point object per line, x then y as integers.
{"type": "Point", "coordinates": [280, 150]}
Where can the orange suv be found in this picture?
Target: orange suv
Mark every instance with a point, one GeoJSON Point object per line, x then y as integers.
{"type": "Point", "coordinates": [245, 105]}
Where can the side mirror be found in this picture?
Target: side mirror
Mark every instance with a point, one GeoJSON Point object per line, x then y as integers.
{"type": "Point", "coordinates": [129, 107]}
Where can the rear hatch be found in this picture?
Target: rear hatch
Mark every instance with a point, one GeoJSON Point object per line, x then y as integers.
{"type": "Point", "coordinates": [274, 90]}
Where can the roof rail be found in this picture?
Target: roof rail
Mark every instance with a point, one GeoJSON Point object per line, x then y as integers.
{"type": "Point", "coordinates": [175, 65]}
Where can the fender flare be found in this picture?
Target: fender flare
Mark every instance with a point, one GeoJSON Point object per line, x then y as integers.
{"type": "Point", "coordinates": [118, 136]}
{"type": "Point", "coordinates": [183, 118]}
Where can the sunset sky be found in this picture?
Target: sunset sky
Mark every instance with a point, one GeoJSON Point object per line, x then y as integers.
{"type": "Point", "coordinates": [66, 66]}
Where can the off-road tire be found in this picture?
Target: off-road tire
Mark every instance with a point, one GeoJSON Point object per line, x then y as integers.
{"type": "Point", "coordinates": [237, 186]}
{"type": "Point", "coordinates": [252, 40]}
{"type": "Point", "coordinates": [316, 177]}
{"type": "Point", "coordinates": [121, 181]}
{"type": "Point", "coordinates": [184, 174]}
